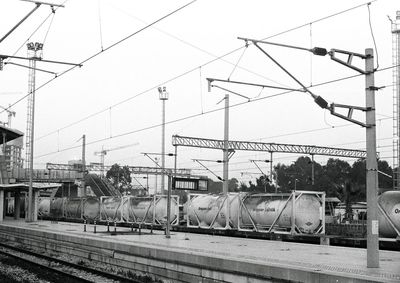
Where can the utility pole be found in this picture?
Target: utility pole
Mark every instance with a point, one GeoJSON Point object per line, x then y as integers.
{"type": "Point", "coordinates": [270, 172]}
{"type": "Point", "coordinates": [371, 164]}
{"type": "Point", "coordinates": [312, 171]}
{"type": "Point", "coordinates": [369, 124]}
{"type": "Point", "coordinates": [225, 186]}
{"type": "Point", "coordinates": [83, 165]}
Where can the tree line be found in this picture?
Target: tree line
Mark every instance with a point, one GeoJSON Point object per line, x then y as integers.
{"type": "Point", "coordinates": [337, 178]}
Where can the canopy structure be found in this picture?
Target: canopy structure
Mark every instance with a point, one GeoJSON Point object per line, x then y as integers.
{"type": "Point", "coordinates": [8, 134]}
{"type": "Point", "coordinates": [24, 186]}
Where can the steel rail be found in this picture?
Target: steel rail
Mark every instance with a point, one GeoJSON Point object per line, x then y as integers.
{"type": "Point", "coordinates": [93, 271]}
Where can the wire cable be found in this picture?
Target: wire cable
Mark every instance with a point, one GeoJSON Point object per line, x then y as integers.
{"type": "Point", "coordinates": [373, 37]}
{"type": "Point", "coordinates": [100, 29]}
{"type": "Point", "coordinates": [187, 72]}
{"type": "Point", "coordinates": [205, 113]}
{"type": "Point", "coordinates": [51, 23]}
{"type": "Point", "coordinates": [237, 63]}
{"type": "Point", "coordinates": [29, 37]}
{"type": "Point", "coordinates": [107, 48]}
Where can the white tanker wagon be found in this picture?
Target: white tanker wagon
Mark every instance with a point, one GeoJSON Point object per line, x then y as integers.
{"type": "Point", "coordinates": [209, 211]}
{"type": "Point", "coordinates": [91, 208]}
{"type": "Point", "coordinates": [150, 210]}
{"type": "Point", "coordinates": [300, 212]}
{"type": "Point", "coordinates": [389, 214]}
{"type": "Point", "coordinates": [111, 208]}
{"type": "Point", "coordinates": [259, 212]}
{"type": "Point", "coordinates": [73, 208]}
{"type": "Point", "coordinates": [44, 206]}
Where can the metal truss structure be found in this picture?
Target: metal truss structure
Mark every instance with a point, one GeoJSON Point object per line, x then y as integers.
{"type": "Point", "coordinates": [268, 147]}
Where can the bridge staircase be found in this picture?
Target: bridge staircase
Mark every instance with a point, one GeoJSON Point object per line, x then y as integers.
{"type": "Point", "coordinates": [101, 186]}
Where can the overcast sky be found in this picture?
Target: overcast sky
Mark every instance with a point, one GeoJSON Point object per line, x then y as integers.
{"type": "Point", "coordinates": [113, 97]}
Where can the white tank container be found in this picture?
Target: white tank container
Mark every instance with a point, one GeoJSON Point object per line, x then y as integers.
{"type": "Point", "coordinates": [264, 209]}
{"type": "Point", "coordinates": [204, 209]}
{"type": "Point", "coordinates": [91, 208]}
{"type": "Point", "coordinates": [141, 210]}
{"type": "Point", "coordinates": [44, 206]}
{"type": "Point", "coordinates": [110, 208]}
{"type": "Point", "coordinates": [57, 207]}
{"type": "Point", "coordinates": [73, 208]}
{"type": "Point", "coordinates": [390, 203]}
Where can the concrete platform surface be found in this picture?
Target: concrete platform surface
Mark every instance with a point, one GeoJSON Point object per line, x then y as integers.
{"type": "Point", "coordinates": [340, 261]}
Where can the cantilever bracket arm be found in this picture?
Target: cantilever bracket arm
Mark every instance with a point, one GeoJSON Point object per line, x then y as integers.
{"type": "Point", "coordinates": [205, 167]}
{"type": "Point", "coordinates": [23, 66]}
{"type": "Point", "coordinates": [3, 56]}
{"type": "Point", "coordinates": [350, 56]}
{"type": "Point", "coordinates": [37, 3]}
{"type": "Point", "coordinates": [349, 113]}
{"type": "Point", "coordinates": [211, 80]}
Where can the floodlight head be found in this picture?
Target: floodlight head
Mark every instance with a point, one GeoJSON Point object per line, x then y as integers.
{"type": "Point", "coordinates": [163, 94]}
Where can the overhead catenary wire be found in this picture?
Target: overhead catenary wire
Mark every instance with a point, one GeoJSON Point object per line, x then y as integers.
{"type": "Point", "coordinates": [100, 28]}
{"type": "Point", "coordinates": [238, 61]}
{"type": "Point", "coordinates": [178, 76]}
{"type": "Point", "coordinates": [207, 112]}
{"type": "Point", "coordinates": [373, 37]}
{"type": "Point", "coordinates": [53, 11]}
{"type": "Point", "coordinates": [201, 49]}
{"type": "Point", "coordinates": [100, 52]}
{"type": "Point", "coordinates": [33, 33]}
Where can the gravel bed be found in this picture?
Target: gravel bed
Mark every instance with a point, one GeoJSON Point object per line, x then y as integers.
{"type": "Point", "coordinates": [83, 262]}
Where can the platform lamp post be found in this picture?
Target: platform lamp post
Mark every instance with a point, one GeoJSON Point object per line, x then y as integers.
{"type": "Point", "coordinates": [163, 95]}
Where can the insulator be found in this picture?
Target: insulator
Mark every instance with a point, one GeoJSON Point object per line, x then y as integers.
{"type": "Point", "coordinates": [319, 51]}
{"type": "Point", "coordinates": [321, 102]}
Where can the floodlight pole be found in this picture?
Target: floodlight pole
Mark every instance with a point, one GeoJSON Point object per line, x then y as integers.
{"type": "Point", "coordinates": [371, 164]}
{"type": "Point", "coordinates": [225, 185]}
{"type": "Point", "coordinates": [163, 96]}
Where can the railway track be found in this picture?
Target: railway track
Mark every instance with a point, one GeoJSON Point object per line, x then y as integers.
{"type": "Point", "coordinates": [71, 271]}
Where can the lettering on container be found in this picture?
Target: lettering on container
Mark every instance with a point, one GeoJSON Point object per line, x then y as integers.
{"type": "Point", "coordinates": [268, 209]}
{"type": "Point", "coordinates": [397, 211]}
{"type": "Point", "coordinates": [204, 208]}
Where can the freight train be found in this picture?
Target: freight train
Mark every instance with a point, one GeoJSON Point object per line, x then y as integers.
{"type": "Point", "coordinates": [296, 213]}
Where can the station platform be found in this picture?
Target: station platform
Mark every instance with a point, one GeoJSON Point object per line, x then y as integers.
{"type": "Point", "coordinates": [187, 257]}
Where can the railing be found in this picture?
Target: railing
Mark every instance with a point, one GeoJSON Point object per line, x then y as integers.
{"type": "Point", "coordinates": [22, 174]}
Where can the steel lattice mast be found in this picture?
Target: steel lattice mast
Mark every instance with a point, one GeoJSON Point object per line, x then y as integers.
{"type": "Point", "coordinates": [34, 53]}
{"type": "Point", "coordinates": [396, 98]}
